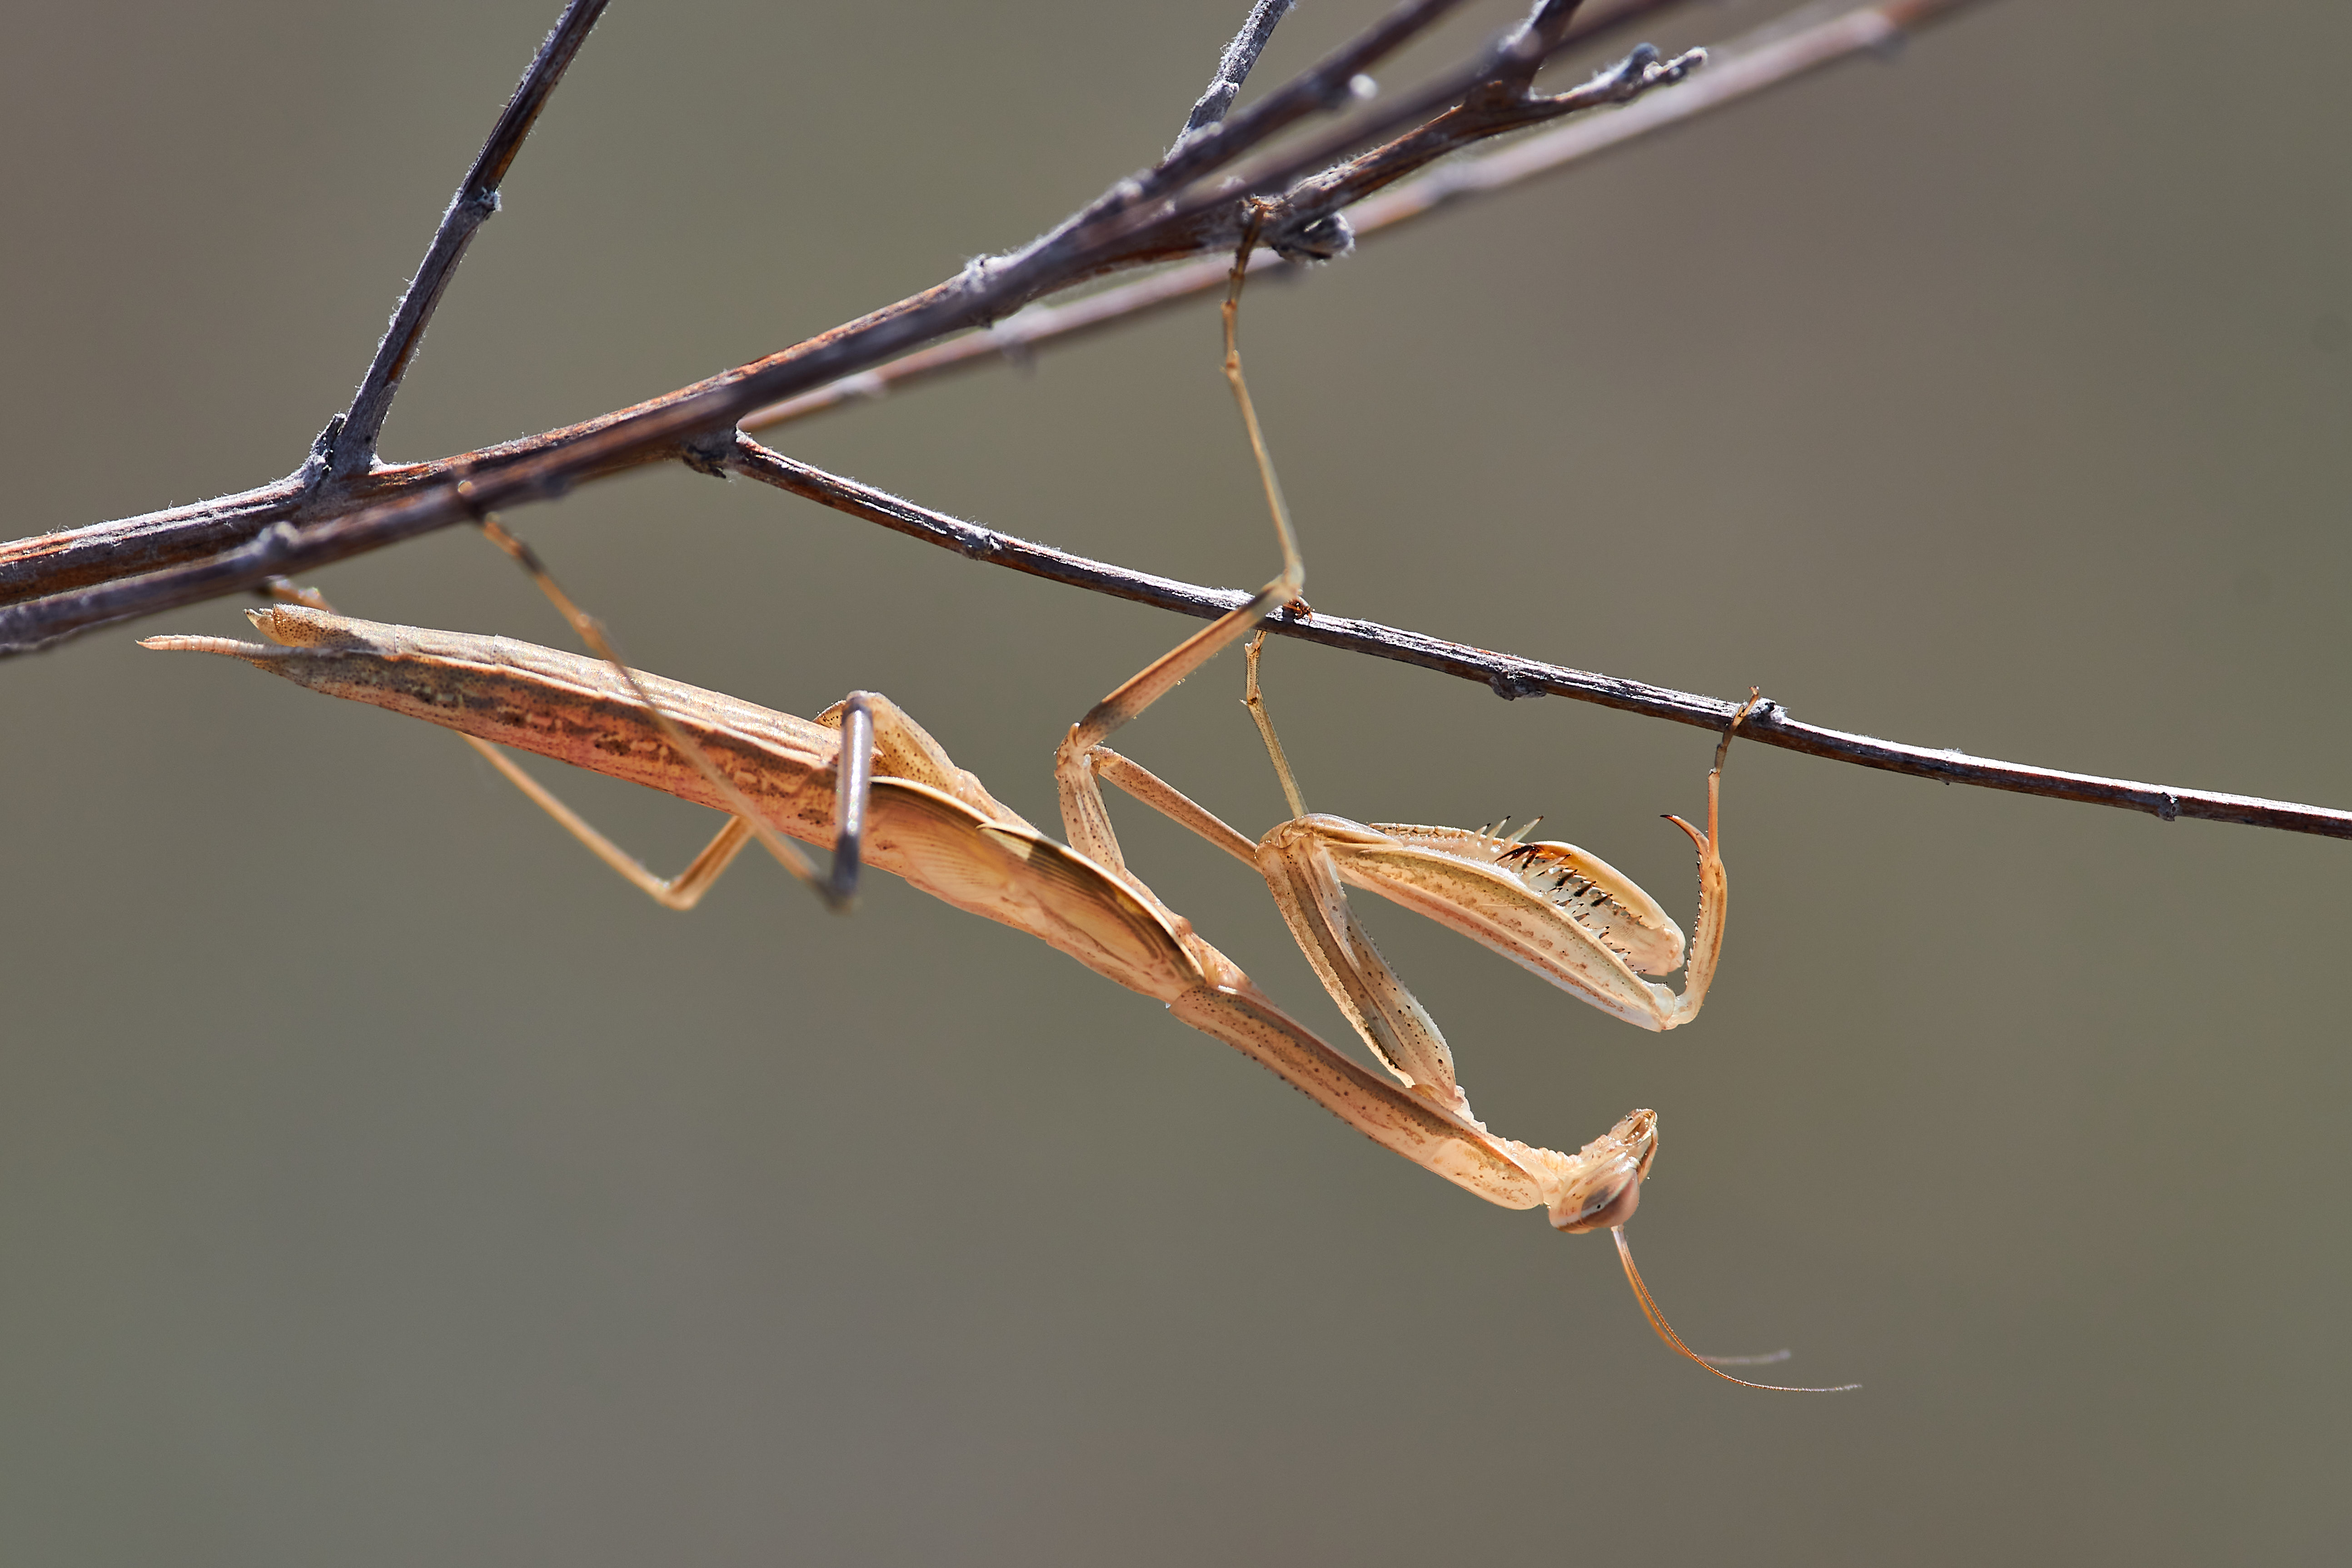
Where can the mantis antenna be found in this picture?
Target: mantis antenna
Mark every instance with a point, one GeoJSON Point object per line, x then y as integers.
{"type": "Point", "coordinates": [1714, 1363]}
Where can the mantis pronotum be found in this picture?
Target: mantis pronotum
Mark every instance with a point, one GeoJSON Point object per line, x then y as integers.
{"type": "Point", "coordinates": [867, 779]}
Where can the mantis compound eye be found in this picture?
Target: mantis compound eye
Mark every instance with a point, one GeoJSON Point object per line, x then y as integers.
{"type": "Point", "coordinates": [1612, 1211]}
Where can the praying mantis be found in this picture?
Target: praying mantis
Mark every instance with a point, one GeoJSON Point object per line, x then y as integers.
{"type": "Point", "coordinates": [865, 778]}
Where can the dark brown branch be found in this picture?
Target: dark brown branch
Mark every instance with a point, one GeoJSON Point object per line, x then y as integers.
{"type": "Point", "coordinates": [1316, 199]}
{"type": "Point", "coordinates": [660, 428]}
{"type": "Point", "coordinates": [1509, 675]}
{"type": "Point", "coordinates": [348, 445]}
{"type": "Point", "coordinates": [1326, 85]}
{"type": "Point", "coordinates": [1212, 220]}
{"type": "Point", "coordinates": [1491, 94]}
{"type": "Point", "coordinates": [70, 583]}
{"type": "Point", "coordinates": [61, 563]}
{"type": "Point", "coordinates": [336, 475]}
{"type": "Point", "coordinates": [1738, 69]}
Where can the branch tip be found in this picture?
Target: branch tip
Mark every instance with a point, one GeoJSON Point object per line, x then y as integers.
{"type": "Point", "coordinates": [353, 451]}
{"type": "Point", "coordinates": [1233, 69]}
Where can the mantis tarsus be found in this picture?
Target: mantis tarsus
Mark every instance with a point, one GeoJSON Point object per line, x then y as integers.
{"type": "Point", "coordinates": [868, 780]}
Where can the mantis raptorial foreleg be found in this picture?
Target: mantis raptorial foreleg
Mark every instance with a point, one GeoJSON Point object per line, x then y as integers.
{"type": "Point", "coordinates": [1557, 910]}
{"type": "Point", "coordinates": [1504, 894]}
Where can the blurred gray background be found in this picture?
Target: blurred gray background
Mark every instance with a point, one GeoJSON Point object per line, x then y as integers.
{"type": "Point", "coordinates": [383, 1182]}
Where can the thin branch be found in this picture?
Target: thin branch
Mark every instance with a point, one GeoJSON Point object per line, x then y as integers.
{"type": "Point", "coordinates": [348, 445]}
{"type": "Point", "coordinates": [1737, 70]}
{"type": "Point", "coordinates": [335, 477]}
{"type": "Point", "coordinates": [1319, 200]}
{"type": "Point", "coordinates": [100, 553]}
{"type": "Point", "coordinates": [1233, 67]}
{"type": "Point", "coordinates": [1326, 85]}
{"type": "Point", "coordinates": [83, 557]}
{"type": "Point", "coordinates": [665, 427]}
{"type": "Point", "coordinates": [71, 583]}
{"type": "Point", "coordinates": [1495, 88]}
{"type": "Point", "coordinates": [1509, 675]}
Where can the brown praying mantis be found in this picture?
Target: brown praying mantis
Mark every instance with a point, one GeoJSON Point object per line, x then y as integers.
{"type": "Point", "coordinates": [868, 780]}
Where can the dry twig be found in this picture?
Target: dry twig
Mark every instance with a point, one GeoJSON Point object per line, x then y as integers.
{"type": "Point", "coordinates": [58, 585]}
{"type": "Point", "coordinates": [341, 503]}
{"type": "Point", "coordinates": [347, 445]}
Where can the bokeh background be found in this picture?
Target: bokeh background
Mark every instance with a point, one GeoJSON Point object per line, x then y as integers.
{"type": "Point", "coordinates": [383, 1182]}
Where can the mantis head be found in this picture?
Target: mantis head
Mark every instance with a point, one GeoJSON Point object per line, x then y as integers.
{"type": "Point", "coordinates": [1599, 1186]}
